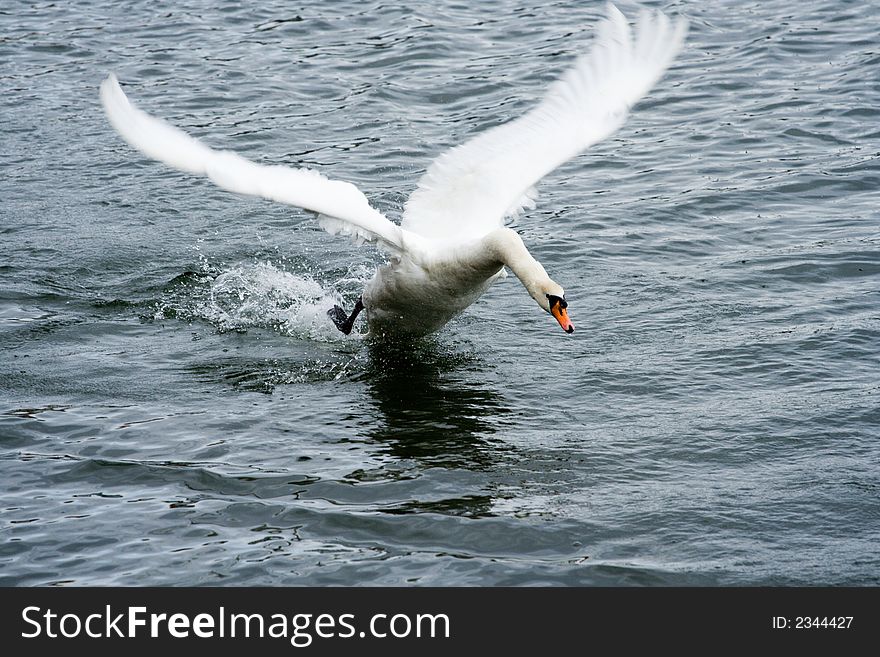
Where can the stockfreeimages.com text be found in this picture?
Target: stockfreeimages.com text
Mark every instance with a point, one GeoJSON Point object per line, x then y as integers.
{"type": "Point", "coordinates": [301, 629]}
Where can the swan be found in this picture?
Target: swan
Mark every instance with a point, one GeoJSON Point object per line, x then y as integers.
{"type": "Point", "coordinates": [451, 244]}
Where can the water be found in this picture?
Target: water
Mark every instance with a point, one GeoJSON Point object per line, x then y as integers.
{"type": "Point", "coordinates": [176, 409]}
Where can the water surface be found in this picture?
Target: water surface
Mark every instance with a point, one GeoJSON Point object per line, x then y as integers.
{"type": "Point", "coordinates": [175, 408]}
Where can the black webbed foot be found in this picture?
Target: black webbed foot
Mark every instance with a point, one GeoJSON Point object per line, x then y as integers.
{"type": "Point", "coordinates": [343, 321]}
{"type": "Point", "coordinates": [340, 318]}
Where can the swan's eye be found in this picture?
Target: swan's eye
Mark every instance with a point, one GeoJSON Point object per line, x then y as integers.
{"type": "Point", "coordinates": [553, 299]}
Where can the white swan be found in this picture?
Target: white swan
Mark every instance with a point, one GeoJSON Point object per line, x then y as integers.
{"type": "Point", "coordinates": [451, 245]}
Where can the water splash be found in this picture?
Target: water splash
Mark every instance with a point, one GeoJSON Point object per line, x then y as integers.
{"type": "Point", "coordinates": [257, 295]}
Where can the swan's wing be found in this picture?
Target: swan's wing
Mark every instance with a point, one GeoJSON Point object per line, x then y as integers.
{"type": "Point", "coordinates": [468, 190]}
{"type": "Point", "coordinates": [343, 208]}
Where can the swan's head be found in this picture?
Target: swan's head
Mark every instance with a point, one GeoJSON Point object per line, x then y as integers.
{"type": "Point", "coordinates": [551, 297]}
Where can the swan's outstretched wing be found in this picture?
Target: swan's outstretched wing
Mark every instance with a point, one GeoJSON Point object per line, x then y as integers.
{"type": "Point", "coordinates": [343, 208]}
{"type": "Point", "coordinates": [468, 190]}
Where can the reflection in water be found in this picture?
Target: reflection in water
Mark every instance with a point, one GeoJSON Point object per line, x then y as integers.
{"type": "Point", "coordinates": [431, 411]}
{"type": "Point", "coordinates": [431, 408]}
{"type": "Point", "coordinates": [434, 417]}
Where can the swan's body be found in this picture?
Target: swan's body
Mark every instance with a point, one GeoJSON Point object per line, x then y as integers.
{"type": "Point", "coordinates": [442, 284]}
{"type": "Point", "coordinates": [451, 245]}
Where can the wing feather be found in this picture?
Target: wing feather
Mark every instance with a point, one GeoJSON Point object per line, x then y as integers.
{"type": "Point", "coordinates": [468, 190]}
{"type": "Point", "coordinates": [343, 208]}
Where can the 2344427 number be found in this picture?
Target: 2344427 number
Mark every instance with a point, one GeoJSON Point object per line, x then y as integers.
{"type": "Point", "coordinates": [812, 622]}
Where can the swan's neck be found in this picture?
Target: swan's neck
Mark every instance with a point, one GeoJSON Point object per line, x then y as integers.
{"type": "Point", "coordinates": [507, 246]}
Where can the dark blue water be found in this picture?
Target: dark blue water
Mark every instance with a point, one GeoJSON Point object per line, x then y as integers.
{"type": "Point", "coordinates": [175, 408]}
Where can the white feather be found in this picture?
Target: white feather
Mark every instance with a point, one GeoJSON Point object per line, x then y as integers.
{"type": "Point", "coordinates": [467, 191]}
{"type": "Point", "coordinates": [349, 210]}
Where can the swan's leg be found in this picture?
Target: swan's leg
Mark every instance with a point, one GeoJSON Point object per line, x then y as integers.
{"type": "Point", "coordinates": [345, 322]}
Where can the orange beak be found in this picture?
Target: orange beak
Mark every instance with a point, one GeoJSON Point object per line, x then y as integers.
{"type": "Point", "coordinates": [561, 315]}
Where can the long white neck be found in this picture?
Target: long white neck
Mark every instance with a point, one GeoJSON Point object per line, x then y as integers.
{"type": "Point", "coordinates": [507, 246]}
